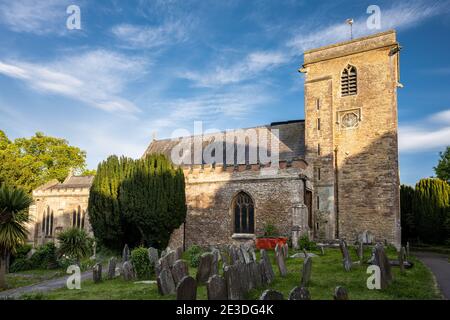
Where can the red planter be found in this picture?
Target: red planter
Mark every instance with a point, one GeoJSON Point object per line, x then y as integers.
{"type": "Point", "coordinates": [269, 243]}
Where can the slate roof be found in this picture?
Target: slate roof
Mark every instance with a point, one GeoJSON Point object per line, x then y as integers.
{"type": "Point", "coordinates": [75, 182]}
{"type": "Point", "coordinates": [291, 136]}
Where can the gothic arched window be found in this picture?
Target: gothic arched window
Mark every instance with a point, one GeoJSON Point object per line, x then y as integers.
{"type": "Point", "coordinates": [244, 213]}
{"type": "Point", "coordinates": [349, 85]}
{"type": "Point", "coordinates": [47, 222]}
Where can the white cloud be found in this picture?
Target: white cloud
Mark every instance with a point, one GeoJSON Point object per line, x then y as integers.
{"type": "Point", "coordinates": [431, 134]}
{"type": "Point", "coordinates": [150, 36]}
{"type": "Point", "coordinates": [31, 16]}
{"type": "Point", "coordinates": [96, 78]}
{"type": "Point", "coordinates": [253, 64]}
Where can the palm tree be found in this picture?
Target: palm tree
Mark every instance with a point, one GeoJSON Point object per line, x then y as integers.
{"type": "Point", "coordinates": [14, 203]}
{"type": "Point", "coordinates": [74, 243]}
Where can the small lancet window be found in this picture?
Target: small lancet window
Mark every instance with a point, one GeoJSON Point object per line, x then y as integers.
{"type": "Point", "coordinates": [349, 85]}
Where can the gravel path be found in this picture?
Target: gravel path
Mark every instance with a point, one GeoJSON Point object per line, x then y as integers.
{"type": "Point", "coordinates": [439, 265]}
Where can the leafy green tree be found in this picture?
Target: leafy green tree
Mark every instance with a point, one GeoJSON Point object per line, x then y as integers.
{"type": "Point", "coordinates": [408, 218]}
{"type": "Point", "coordinates": [14, 203]}
{"type": "Point", "coordinates": [442, 170]}
{"type": "Point", "coordinates": [29, 163]}
{"type": "Point", "coordinates": [74, 243]}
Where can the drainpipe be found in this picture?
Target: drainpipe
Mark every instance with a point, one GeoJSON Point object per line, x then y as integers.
{"type": "Point", "coordinates": [336, 192]}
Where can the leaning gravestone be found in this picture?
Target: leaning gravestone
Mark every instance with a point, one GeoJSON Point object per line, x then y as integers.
{"type": "Point", "coordinates": [267, 273]}
{"type": "Point", "coordinates": [306, 272]}
{"type": "Point", "coordinates": [340, 293]}
{"type": "Point", "coordinates": [180, 269]}
{"type": "Point", "coordinates": [271, 295]}
{"type": "Point", "coordinates": [127, 271]}
{"type": "Point", "coordinates": [252, 253]}
{"type": "Point", "coordinates": [187, 289]}
{"type": "Point", "coordinates": [380, 259]}
{"type": "Point", "coordinates": [285, 250]}
{"type": "Point", "coordinates": [125, 253]}
{"type": "Point", "coordinates": [347, 261]}
{"type": "Point", "coordinates": [97, 273]}
{"type": "Point", "coordinates": [153, 256]}
{"type": "Point", "coordinates": [205, 267]}
{"type": "Point", "coordinates": [233, 282]}
{"type": "Point", "coordinates": [279, 256]}
{"type": "Point", "coordinates": [170, 258]}
{"type": "Point", "coordinates": [299, 293]}
{"type": "Point", "coordinates": [245, 253]}
{"type": "Point", "coordinates": [165, 282]}
{"type": "Point", "coordinates": [401, 259]}
{"type": "Point", "coordinates": [179, 253]}
{"type": "Point", "coordinates": [112, 268]}
{"type": "Point", "coordinates": [216, 288]}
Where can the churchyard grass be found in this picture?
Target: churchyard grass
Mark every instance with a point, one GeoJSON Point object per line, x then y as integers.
{"type": "Point", "coordinates": [327, 273]}
{"type": "Point", "coordinates": [29, 277]}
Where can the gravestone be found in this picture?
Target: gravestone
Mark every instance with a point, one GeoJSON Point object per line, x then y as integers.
{"type": "Point", "coordinates": [299, 293]}
{"type": "Point", "coordinates": [346, 260]}
{"type": "Point", "coordinates": [279, 256]}
{"type": "Point", "coordinates": [215, 262]}
{"type": "Point", "coordinates": [255, 274]}
{"type": "Point", "coordinates": [285, 250]}
{"type": "Point", "coordinates": [407, 250]}
{"type": "Point", "coordinates": [232, 279]}
{"type": "Point", "coordinates": [380, 259]}
{"type": "Point", "coordinates": [180, 269]}
{"type": "Point", "coordinates": [165, 282]}
{"type": "Point", "coordinates": [245, 254]}
{"type": "Point", "coordinates": [216, 288]}
{"type": "Point", "coordinates": [97, 273]}
{"type": "Point", "coordinates": [153, 256]}
{"type": "Point", "coordinates": [187, 288]}
{"type": "Point", "coordinates": [112, 268]}
{"type": "Point", "coordinates": [401, 259]}
{"type": "Point", "coordinates": [127, 271]}
{"type": "Point", "coordinates": [322, 250]}
{"type": "Point", "coordinates": [360, 252]}
{"type": "Point", "coordinates": [158, 267]}
{"type": "Point", "coordinates": [170, 258]}
{"type": "Point", "coordinates": [125, 253]}
{"type": "Point", "coordinates": [366, 237]}
{"type": "Point", "coordinates": [267, 273]}
{"type": "Point", "coordinates": [306, 271]}
{"type": "Point", "coordinates": [252, 253]}
{"type": "Point", "coordinates": [340, 293]}
{"type": "Point", "coordinates": [205, 267]}
{"type": "Point", "coordinates": [179, 253]}
{"type": "Point", "coordinates": [271, 295]}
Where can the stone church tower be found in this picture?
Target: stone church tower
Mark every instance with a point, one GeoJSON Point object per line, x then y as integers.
{"type": "Point", "coordinates": [351, 137]}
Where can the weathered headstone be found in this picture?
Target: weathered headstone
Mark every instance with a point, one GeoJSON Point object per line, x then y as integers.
{"type": "Point", "coordinates": [112, 268]}
{"type": "Point", "coordinates": [187, 288]}
{"type": "Point", "coordinates": [153, 256]}
{"type": "Point", "coordinates": [179, 253]}
{"type": "Point", "coordinates": [216, 288]}
{"type": "Point", "coordinates": [299, 293]}
{"type": "Point", "coordinates": [170, 258]}
{"type": "Point", "coordinates": [407, 250]}
{"type": "Point", "coordinates": [158, 267]}
{"type": "Point", "coordinates": [361, 252]}
{"type": "Point", "coordinates": [245, 253]}
{"type": "Point", "coordinates": [271, 295]}
{"type": "Point", "coordinates": [232, 279]}
{"type": "Point", "coordinates": [165, 282]}
{"type": "Point", "coordinates": [346, 260]}
{"type": "Point", "coordinates": [285, 250]}
{"type": "Point", "coordinates": [306, 271]}
{"type": "Point", "coordinates": [97, 273]}
{"type": "Point", "coordinates": [279, 256]}
{"type": "Point", "coordinates": [267, 273]}
{"type": "Point", "coordinates": [366, 237]}
{"type": "Point", "coordinates": [340, 293]}
{"type": "Point", "coordinates": [180, 269]}
{"type": "Point", "coordinates": [252, 253]}
{"type": "Point", "coordinates": [205, 267]}
{"type": "Point", "coordinates": [125, 253]}
{"type": "Point", "coordinates": [380, 259]}
{"type": "Point", "coordinates": [128, 271]}
{"type": "Point", "coordinates": [322, 250]}
{"type": "Point", "coordinates": [401, 259]}
{"type": "Point", "coordinates": [255, 274]}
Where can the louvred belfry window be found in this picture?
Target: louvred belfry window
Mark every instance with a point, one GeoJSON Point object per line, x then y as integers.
{"type": "Point", "coordinates": [349, 85]}
{"type": "Point", "coordinates": [244, 216]}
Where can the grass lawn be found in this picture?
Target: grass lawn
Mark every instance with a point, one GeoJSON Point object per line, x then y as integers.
{"type": "Point", "coordinates": [327, 273]}
{"type": "Point", "coordinates": [26, 278]}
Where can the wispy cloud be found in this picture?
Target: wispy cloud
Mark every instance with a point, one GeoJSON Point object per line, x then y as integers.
{"type": "Point", "coordinates": [431, 134]}
{"type": "Point", "coordinates": [139, 37]}
{"type": "Point", "coordinates": [253, 64]}
{"type": "Point", "coordinates": [95, 77]}
{"type": "Point", "coordinates": [37, 17]}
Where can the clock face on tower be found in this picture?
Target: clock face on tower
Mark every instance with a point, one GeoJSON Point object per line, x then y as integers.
{"type": "Point", "coordinates": [350, 120]}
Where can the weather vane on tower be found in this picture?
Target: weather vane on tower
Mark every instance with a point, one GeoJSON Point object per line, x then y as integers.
{"type": "Point", "coordinates": [350, 22]}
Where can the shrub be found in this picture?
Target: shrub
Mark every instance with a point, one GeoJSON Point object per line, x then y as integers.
{"type": "Point", "coordinates": [305, 244]}
{"type": "Point", "coordinates": [270, 230]}
{"type": "Point", "coordinates": [141, 263]}
{"type": "Point", "coordinates": [74, 243]}
{"type": "Point", "coordinates": [45, 257]}
{"type": "Point", "coordinates": [194, 252]}
{"type": "Point", "coordinates": [22, 251]}
{"type": "Point", "coordinates": [20, 264]}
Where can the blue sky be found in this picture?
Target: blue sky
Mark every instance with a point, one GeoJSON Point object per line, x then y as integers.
{"type": "Point", "coordinates": [144, 66]}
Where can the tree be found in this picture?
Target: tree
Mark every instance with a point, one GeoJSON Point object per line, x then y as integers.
{"type": "Point", "coordinates": [74, 243]}
{"type": "Point", "coordinates": [138, 202]}
{"type": "Point", "coordinates": [14, 203]}
{"type": "Point", "coordinates": [29, 163]}
{"type": "Point", "coordinates": [408, 219]}
{"type": "Point", "coordinates": [442, 170]}
{"type": "Point", "coordinates": [431, 204]}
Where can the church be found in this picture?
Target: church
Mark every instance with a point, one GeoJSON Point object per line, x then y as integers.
{"type": "Point", "coordinates": [335, 174]}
